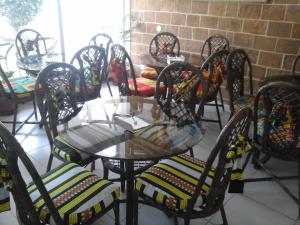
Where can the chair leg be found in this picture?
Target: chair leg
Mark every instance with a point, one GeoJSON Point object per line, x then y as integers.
{"type": "Point", "coordinates": [298, 189]}
{"type": "Point", "coordinates": [136, 209]}
{"type": "Point", "coordinates": [221, 98]}
{"type": "Point", "coordinates": [175, 220]}
{"type": "Point", "coordinates": [117, 213]}
{"type": "Point", "coordinates": [108, 85]}
{"type": "Point", "coordinates": [15, 120]}
{"type": "Point", "coordinates": [191, 152]}
{"type": "Point", "coordinates": [34, 109]}
{"type": "Point", "coordinates": [223, 214]}
{"type": "Point", "coordinates": [93, 166]}
{"type": "Point", "coordinates": [186, 221]}
{"type": "Point", "coordinates": [218, 114]}
{"type": "Point", "coordinates": [50, 162]}
{"type": "Point", "coordinates": [122, 176]}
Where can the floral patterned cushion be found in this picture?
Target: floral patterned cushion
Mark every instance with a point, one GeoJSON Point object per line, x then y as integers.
{"type": "Point", "coordinates": [149, 73]}
{"type": "Point", "coordinates": [242, 102]}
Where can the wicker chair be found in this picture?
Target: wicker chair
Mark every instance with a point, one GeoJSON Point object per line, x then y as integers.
{"type": "Point", "coordinates": [213, 72]}
{"type": "Point", "coordinates": [57, 94]}
{"type": "Point", "coordinates": [276, 129]}
{"type": "Point", "coordinates": [30, 43]}
{"type": "Point", "coordinates": [47, 199]}
{"type": "Point", "coordinates": [123, 74]}
{"type": "Point", "coordinates": [296, 67]}
{"type": "Point", "coordinates": [239, 73]}
{"type": "Point", "coordinates": [186, 187]}
{"type": "Point", "coordinates": [91, 62]}
{"type": "Point", "coordinates": [15, 92]}
{"type": "Point", "coordinates": [212, 45]}
{"type": "Point", "coordinates": [164, 44]}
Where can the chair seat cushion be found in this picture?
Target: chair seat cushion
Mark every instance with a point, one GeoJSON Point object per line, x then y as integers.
{"type": "Point", "coordinates": [77, 194]}
{"type": "Point", "coordinates": [146, 87]}
{"type": "Point", "coordinates": [149, 73]}
{"type": "Point", "coordinates": [242, 102]}
{"type": "Point", "coordinates": [68, 152]}
{"type": "Point", "coordinates": [22, 87]}
{"type": "Point", "coordinates": [172, 182]}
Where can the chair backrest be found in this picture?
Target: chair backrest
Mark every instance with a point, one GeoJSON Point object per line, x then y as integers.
{"type": "Point", "coordinates": [102, 40]}
{"type": "Point", "coordinates": [296, 67]}
{"type": "Point", "coordinates": [164, 44]}
{"type": "Point", "coordinates": [277, 119]}
{"type": "Point", "coordinates": [5, 81]}
{"type": "Point", "coordinates": [213, 71]}
{"type": "Point", "coordinates": [239, 71]}
{"type": "Point", "coordinates": [12, 152]}
{"type": "Point", "coordinates": [173, 91]}
{"type": "Point", "coordinates": [121, 69]}
{"type": "Point", "coordinates": [30, 43]}
{"type": "Point", "coordinates": [92, 64]}
{"type": "Point", "coordinates": [58, 92]}
{"type": "Point", "coordinates": [214, 44]}
{"type": "Point", "coordinates": [219, 164]}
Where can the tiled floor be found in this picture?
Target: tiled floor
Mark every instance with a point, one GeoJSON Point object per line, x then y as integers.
{"type": "Point", "coordinates": [262, 203]}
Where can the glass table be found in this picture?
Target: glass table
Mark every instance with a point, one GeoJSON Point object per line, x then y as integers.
{"type": "Point", "coordinates": [96, 130]}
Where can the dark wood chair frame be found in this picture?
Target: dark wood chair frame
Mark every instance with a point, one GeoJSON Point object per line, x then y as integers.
{"type": "Point", "coordinates": [91, 59]}
{"type": "Point", "coordinates": [12, 152]}
{"type": "Point", "coordinates": [58, 106]}
{"type": "Point", "coordinates": [214, 44]}
{"type": "Point", "coordinates": [156, 48]}
{"type": "Point", "coordinates": [236, 75]}
{"type": "Point", "coordinates": [218, 58]}
{"type": "Point", "coordinates": [21, 43]}
{"type": "Point", "coordinates": [288, 92]}
{"type": "Point", "coordinates": [105, 41]}
{"type": "Point", "coordinates": [239, 124]}
{"type": "Point", "coordinates": [12, 98]}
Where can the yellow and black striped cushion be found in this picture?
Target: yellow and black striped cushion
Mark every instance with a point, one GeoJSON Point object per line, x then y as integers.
{"type": "Point", "coordinates": [77, 194]}
{"type": "Point", "coordinates": [68, 152]}
{"type": "Point", "coordinates": [172, 182]}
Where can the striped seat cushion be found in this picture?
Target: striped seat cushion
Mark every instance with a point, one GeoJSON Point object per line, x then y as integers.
{"type": "Point", "coordinates": [77, 194]}
{"type": "Point", "coordinates": [68, 152]}
{"type": "Point", "coordinates": [22, 87]}
{"type": "Point", "coordinates": [146, 87]}
{"type": "Point", "coordinates": [172, 182]}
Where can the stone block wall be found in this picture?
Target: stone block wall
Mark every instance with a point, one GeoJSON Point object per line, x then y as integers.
{"type": "Point", "coordinates": [269, 32]}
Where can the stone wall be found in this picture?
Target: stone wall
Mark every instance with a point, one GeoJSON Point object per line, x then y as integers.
{"type": "Point", "coordinates": [269, 32]}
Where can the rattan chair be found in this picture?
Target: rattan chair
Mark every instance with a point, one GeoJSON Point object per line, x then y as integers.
{"type": "Point", "coordinates": [212, 45]}
{"type": "Point", "coordinates": [189, 188]}
{"type": "Point", "coordinates": [296, 67]}
{"type": "Point", "coordinates": [92, 64]}
{"type": "Point", "coordinates": [213, 72]}
{"type": "Point", "coordinates": [30, 43]}
{"type": "Point", "coordinates": [58, 94]}
{"type": "Point", "coordinates": [239, 80]}
{"type": "Point", "coordinates": [18, 91]}
{"type": "Point", "coordinates": [123, 75]}
{"type": "Point", "coordinates": [105, 41]}
{"type": "Point", "coordinates": [164, 44]}
{"type": "Point", "coordinates": [276, 130]}
{"type": "Point", "coordinates": [55, 197]}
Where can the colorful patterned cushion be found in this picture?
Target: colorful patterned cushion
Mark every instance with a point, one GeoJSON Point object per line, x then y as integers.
{"type": "Point", "coordinates": [62, 148]}
{"type": "Point", "coordinates": [22, 87]}
{"type": "Point", "coordinates": [242, 102]}
{"type": "Point", "coordinates": [149, 73]}
{"type": "Point", "coordinates": [172, 182]}
{"type": "Point", "coordinates": [77, 194]}
{"type": "Point", "coordinates": [146, 87]}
